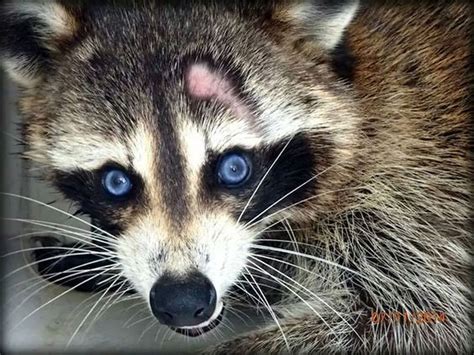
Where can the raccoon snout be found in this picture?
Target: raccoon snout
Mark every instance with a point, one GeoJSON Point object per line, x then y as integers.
{"type": "Point", "coordinates": [183, 302]}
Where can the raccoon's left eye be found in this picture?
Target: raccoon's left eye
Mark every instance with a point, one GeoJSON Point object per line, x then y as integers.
{"type": "Point", "coordinates": [116, 182]}
{"type": "Point", "coordinates": [233, 169]}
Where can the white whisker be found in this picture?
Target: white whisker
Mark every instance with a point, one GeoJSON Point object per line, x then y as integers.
{"type": "Point", "coordinates": [263, 178]}
{"type": "Point", "coordinates": [292, 265]}
{"type": "Point", "coordinates": [86, 251]}
{"type": "Point", "coordinates": [308, 292]}
{"type": "Point", "coordinates": [269, 307]}
{"type": "Point", "coordinates": [70, 233]}
{"type": "Point", "coordinates": [110, 302]}
{"type": "Point", "coordinates": [72, 275]}
{"type": "Point", "coordinates": [59, 257]}
{"type": "Point", "coordinates": [54, 299]}
{"type": "Point", "coordinates": [117, 277]}
{"type": "Point", "coordinates": [252, 222]}
{"type": "Point", "coordinates": [57, 210]}
{"type": "Point", "coordinates": [294, 190]}
{"type": "Point", "coordinates": [323, 261]}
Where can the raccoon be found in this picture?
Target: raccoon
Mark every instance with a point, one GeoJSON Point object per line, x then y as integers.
{"type": "Point", "coordinates": [311, 155]}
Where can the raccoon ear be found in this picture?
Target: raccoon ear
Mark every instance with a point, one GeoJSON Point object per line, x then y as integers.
{"type": "Point", "coordinates": [322, 21]}
{"type": "Point", "coordinates": [32, 32]}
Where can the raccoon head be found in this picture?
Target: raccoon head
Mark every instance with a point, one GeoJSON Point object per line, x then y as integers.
{"type": "Point", "coordinates": [185, 130]}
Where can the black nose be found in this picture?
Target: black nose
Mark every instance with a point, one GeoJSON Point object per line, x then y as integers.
{"type": "Point", "coordinates": [183, 302]}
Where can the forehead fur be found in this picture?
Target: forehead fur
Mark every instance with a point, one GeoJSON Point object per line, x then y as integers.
{"type": "Point", "coordinates": [117, 89]}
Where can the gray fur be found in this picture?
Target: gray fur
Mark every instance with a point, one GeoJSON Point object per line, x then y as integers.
{"type": "Point", "coordinates": [389, 229]}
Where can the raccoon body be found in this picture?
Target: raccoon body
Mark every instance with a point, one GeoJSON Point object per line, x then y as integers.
{"type": "Point", "coordinates": [315, 155]}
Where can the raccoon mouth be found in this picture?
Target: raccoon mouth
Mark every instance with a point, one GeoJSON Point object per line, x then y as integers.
{"type": "Point", "coordinates": [205, 327]}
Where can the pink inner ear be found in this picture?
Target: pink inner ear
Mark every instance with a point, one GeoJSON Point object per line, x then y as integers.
{"type": "Point", "coordinates": [204, 83]}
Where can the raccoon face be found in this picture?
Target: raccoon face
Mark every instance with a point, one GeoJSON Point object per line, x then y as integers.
{"type": "Point", "coordinates": [185, 130]}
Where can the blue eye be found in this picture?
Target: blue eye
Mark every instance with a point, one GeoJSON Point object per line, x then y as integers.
{"type": "Point", "coordinates": [233, 169]}
{"type": "Point", "coordinates": [116, 182]}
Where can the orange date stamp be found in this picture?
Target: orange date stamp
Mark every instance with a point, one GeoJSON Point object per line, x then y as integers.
{"type": "Point", "coordinates": [420, 317]}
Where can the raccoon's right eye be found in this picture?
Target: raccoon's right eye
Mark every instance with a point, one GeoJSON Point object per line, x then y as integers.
{"type": "Point", "coordinates": [116, 182]}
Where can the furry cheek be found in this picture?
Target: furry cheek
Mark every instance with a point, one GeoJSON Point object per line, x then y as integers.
{"type": "Point", "coordinates": [228, 246]}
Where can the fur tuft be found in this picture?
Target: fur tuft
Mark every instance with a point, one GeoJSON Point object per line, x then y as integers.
{"type": "Point", "coordinates": [32, 31]}
{"type": "Point", "coordinates": [324, 22]}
